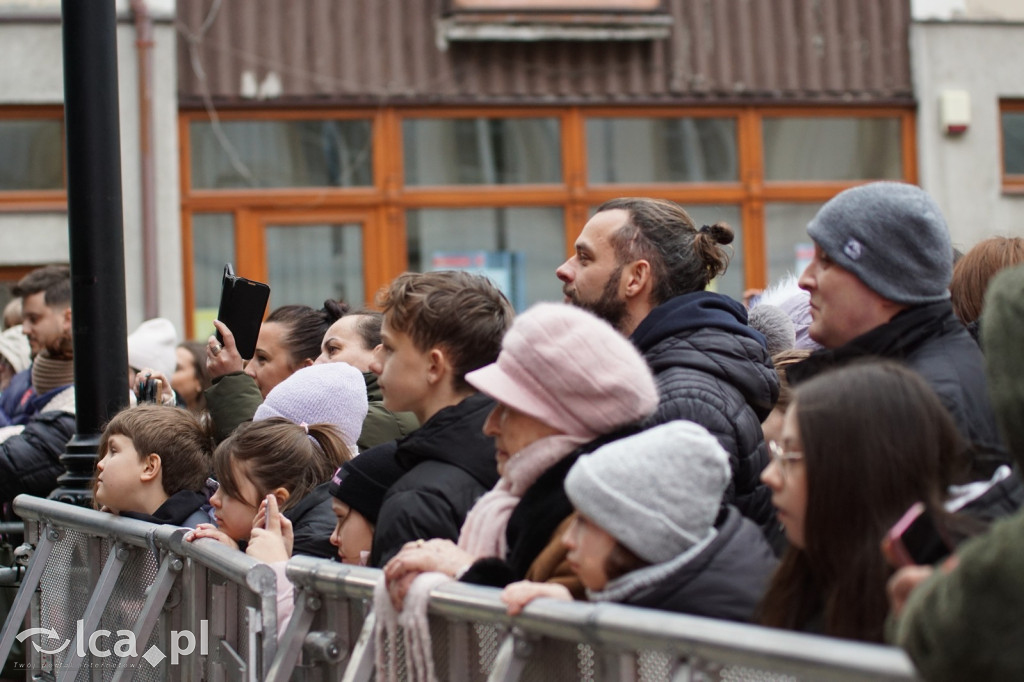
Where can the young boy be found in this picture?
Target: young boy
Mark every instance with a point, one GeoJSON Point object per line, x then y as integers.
{"type": "Point", "coordinates": [437, 327]}
{"type": "Point", "coordinates": [153, 464]}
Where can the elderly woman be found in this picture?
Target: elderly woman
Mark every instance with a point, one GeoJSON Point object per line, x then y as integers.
{"type": "Point", "coordinates": [565, 383]}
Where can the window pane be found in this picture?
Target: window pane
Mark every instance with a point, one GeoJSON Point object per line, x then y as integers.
{"type": "Point", "coordinates": [307, 264]}
{"type": "Point", "coordinates": [661, 150]}
{"type": "Point", "coordinates": [832, 148]}
{"type": "Point", "coordinates": [213, 245]}
{"type": "Point", "coordinates": [520, 248]}
{"type": "Point", "coordinates": [1013, 142]}
{"type": "Point", "coordinates": [32, 156]}
{"type": "Point", "coordinates": [786, 241]}
{"type": "Point", "coordinates": [732, 283]}
{"type": "Point", "coordinates": [482, 151]}
{"type": "Point", "coordinates": [281, 154]}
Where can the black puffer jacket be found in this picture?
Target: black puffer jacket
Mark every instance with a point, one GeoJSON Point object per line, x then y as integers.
{"type": "Point", "coordinates": [713, 369]}
{"type": "Point", "coordinates": [931, 341]}
{"type": "Point", "coordinates": [449, 464]}
{"type": "Point", "coordinates": [726, 580]}
{"type": "Point", "coordinates": [313, 521]}
{"type": "Point", "coordinates": [29, 461]}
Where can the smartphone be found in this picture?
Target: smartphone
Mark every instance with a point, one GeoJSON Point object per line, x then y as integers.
{"type": "Point", "coordinates": [243, 302]}
{"type": "Point", "coordinates": [917, 539]}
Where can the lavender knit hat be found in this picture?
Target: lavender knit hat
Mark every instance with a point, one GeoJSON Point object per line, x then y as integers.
{"type": "Point", "coordinates": [564, 366]}
{"type": "Point", "coordinates": [331, 393]}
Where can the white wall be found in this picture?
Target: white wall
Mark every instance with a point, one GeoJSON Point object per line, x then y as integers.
{"type": "Point", "coordinates": [963, 172]}
{"type": "Point", "coordinates": [31, 72]}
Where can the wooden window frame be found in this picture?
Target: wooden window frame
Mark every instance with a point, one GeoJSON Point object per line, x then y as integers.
{"type": "Point", "coordinates": [389, 198]}
{"type": "Point", "coordinates": [1013, 183]}
{"type": "Point", "coordinates": [28, 201]}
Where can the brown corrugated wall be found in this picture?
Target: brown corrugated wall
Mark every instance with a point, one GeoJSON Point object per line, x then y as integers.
{"type": "Point", "coordinates": [386, 51]}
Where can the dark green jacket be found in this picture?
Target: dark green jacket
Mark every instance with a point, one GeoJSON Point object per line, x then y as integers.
{"type": "Point", "coordinates": [381, 424]}
{"type": "Point", "coordinates": [231, 400]}
{"type": "Point", "coordinates": [966, 625]}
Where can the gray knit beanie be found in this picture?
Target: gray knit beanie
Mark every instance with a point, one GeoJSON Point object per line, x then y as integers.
{"type": "Point", "coordinates": [330, 393]}
{"type": "Point", "coordinates": [892, 236]}
{"type": "Point", "coordinates": [658, 492]}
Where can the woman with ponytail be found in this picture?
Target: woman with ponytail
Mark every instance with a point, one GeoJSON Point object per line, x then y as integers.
{"type": "Point", "coordinates": [289, 340]}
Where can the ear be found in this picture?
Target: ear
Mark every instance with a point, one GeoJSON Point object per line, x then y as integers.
{"type": "Point", "coordinates": [282, 496]}
{"type": "Point", "coordinates": [637, 278]}
{"type": "Point", "coordinates": [67, 318]}
{"type": "Point", "coordinates": [308, 362]}
{"type": "Point", "coordinates": [438, 368]}
{"type": "Point", "coordinates": [151, 467]}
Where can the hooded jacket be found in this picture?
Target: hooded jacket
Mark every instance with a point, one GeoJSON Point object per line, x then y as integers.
{"type": "Point", "coordinates": [930, 340]}
{"type": "Point", "coordinates": [183, 508]}
{"type": "Point", "coordinates": [713, 369]}
{"type": "Point", "coordinates": [449, 463]}
{"type": "Point", "coordinates": [726, 580]}
{"type": "Point", "coordinates": [313, 521]}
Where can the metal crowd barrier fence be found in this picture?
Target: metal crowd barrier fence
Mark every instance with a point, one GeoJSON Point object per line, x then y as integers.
{"type": "Point", "coordinates": [111, 598]}
{"type": "Point", "coordinates": [209, 613]}
{"type": "Point", "coordinates": [330, 637]}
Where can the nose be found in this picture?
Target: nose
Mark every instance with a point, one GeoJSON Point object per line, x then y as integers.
{"type": "Point", "coordinates": [336, 536]}
{"type": "Point", "coordinates": [569, 536]}
{"type": "Point", "coordinates": [771, 477]}
{"type": "Point", "coordinates": [806, 281]}
{"type": "Point", "coordinates": [491, 423]}
{"type": "Point", "coordinates": [250, 369]}
{"type": "Point", "coordinates": [215, 500]}
{"type": "Point", "coordinates": [101, 463]}
{"type": "Point", "coordinates": [320, 359]}
{"type": "Point", "coordinates": [565, 272]}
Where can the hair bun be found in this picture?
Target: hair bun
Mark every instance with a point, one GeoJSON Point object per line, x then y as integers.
{"type": "Point", "coordinates": [720, 232]}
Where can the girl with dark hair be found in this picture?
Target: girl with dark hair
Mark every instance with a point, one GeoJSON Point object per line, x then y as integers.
{"type": "Point", "coordinates": [860, 445]}
{"type": "Point", "coordinates": [280, 458]}
{"type": "Point", "coordinates": [289, 340]}
{"type": "Point", "coordinates": [190, 376]}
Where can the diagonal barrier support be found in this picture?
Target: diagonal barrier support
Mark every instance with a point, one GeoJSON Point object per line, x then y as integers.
{"type": "Point", "coordinates": [29, 583]}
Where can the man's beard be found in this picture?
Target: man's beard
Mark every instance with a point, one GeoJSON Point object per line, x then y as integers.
{"type": "Point", "coordinates": [608, 306]}
{"type": "Point", "coordinates": [61, 349]}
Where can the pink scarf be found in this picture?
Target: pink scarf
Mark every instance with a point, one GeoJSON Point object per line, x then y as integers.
{"type": "Point", "coordinates": [483, 533]}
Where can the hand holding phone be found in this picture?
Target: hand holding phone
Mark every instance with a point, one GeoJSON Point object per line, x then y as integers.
{"type": "Point", "coordinates": [916, 539]}
{"type": "Point", "coordinates": [243, 303]}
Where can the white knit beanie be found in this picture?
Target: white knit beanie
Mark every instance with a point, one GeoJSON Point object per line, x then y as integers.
{"type": "Point", "coordinates": [658, 492]}
{"type": "Point", "coordinates": [152, 345]}
{"type": "Point", "coordinates": [330, 393]}
{"type": "Point", "coordinates": [14, 347]}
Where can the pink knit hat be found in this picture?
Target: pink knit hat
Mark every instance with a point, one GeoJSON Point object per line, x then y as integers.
{"type": "Point", "coordinates": [571, 370]}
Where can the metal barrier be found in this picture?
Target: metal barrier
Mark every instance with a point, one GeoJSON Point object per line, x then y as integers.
{"type": "Point", "coordinates": [330, 637]}
{"type": "Point", "coordinates": [202, 611]}
{"type": "Point", "coordinates": [115, 598]}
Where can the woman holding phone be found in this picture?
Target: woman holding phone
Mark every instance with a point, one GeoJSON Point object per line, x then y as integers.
{"type": "Point", "coordinates": [289, 340]}
{"type": "Point", "coordinates": [860, 445]}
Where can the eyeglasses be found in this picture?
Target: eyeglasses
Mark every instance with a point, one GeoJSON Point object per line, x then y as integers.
{"type": "Point", "coordinates": [783, 458]}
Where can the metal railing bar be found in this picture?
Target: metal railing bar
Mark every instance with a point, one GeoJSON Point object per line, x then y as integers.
{"type": "Point", "coordinates": [307, 603]}
{"type": "Point", "coordinates": [87, 521]}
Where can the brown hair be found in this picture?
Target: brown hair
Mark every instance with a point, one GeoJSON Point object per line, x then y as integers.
{"type": "Point", "coordinates": [782, 360]}
{"type": "Point", "coordinates": [53, 280]}
{"type": "Point", "coordinates": [972, 273]}
{"type": "Point", "coordinates": [876, 439]}
{"type": "Point", "coordinates": [279, 453]}
{"type": "Point", "coordinates": [305, 328]}
{"type": "Point", "coordinates": [683, 258]}
{"type": "Point", "coordinates": [184, 444]}
{"type": "Point", "coordinates": [464, 314]}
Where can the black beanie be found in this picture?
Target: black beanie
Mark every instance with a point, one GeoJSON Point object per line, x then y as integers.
{"type": "Point", "coordinates": [362, 482]}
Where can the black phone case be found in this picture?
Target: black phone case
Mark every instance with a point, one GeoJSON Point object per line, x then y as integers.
{"type": "Point", "coordinates": [242, 305]}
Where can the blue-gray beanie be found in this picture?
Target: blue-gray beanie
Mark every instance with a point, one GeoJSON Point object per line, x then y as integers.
{"type": "Point", "coordinates": [892, 236]}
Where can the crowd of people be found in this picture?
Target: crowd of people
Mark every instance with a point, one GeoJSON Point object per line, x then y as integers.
{"type": "Point", "coordinates": [841, 458]}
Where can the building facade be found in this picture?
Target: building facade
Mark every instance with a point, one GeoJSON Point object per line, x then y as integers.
{"type": "Point", "coordinates": [325, 146]}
